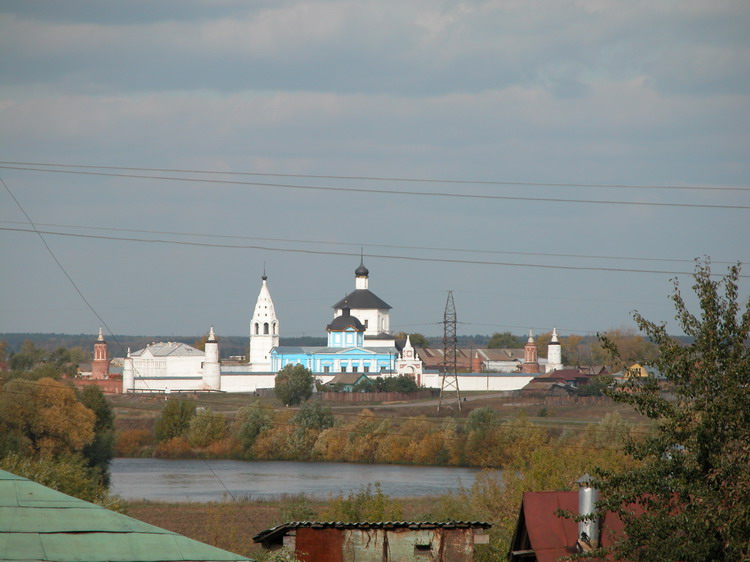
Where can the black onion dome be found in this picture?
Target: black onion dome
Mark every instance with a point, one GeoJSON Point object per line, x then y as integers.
{"type": "Point", "coordinates": [341, 323]}
{"type": "Point", "coordinates": [362, 271]}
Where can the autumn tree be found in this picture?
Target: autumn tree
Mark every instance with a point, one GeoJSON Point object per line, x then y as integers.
{"type": "Point", "coordinates": [632, 347]}
{"type": "Point", "coordinates": [693, 481]}
{"type": "Point", "coordinates": [43, 417]}
{"type": "Point", "coordinates": [294, 383]}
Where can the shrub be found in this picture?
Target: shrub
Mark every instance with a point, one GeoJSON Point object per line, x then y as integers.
{"type": "Point", "coordinates": [174, 448]}
{"type": "Point", "coordinates": [314, 416]}
{"type": "Point", "coordinates": [364, 505]}
{"type": "Point", "coordinates": [253, 420]}
{"type": "Point", "coordinates": [175, 419]}
{"type": "Point", "coordinates": [134, 443]}
{"type": "Point", "coordinates": [205, 428]}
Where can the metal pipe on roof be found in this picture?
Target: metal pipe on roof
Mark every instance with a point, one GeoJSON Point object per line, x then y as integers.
{"type": "Point", "coordinates": [588, 528]}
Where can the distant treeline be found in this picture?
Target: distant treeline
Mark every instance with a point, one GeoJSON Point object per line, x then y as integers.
{"type": "Point", "coordinates": [230, 345]}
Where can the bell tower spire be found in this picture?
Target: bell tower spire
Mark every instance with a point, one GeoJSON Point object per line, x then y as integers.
{"type": "Point", "coordinates": [264, 329]}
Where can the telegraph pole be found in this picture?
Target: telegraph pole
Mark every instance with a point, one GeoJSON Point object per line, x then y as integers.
{"type": "Point", "coordinates": [449, 393]}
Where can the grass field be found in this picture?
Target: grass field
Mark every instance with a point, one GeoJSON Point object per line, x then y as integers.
{"type": "Point", "coordinates": [140, 411]}
{"type": "Point", "coordinates": [231, 525]}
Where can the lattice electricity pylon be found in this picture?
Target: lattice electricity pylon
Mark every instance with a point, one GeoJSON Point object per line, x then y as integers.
{"type": "Point", "coordinates": [449, 392]}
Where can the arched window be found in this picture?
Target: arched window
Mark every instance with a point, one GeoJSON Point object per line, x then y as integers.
{"type": "Point", "coordinates": [265, 328]}
{"type": "Point", "coordinates": [274, 328]}
{"type": "Point", "coordinates": [257, 329]}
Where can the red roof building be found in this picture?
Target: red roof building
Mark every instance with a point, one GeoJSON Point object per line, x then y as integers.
{"type": "Point", "coordinates": [543, 535]}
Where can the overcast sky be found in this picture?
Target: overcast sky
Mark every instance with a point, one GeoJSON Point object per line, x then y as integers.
{"type": "Point", "coordinates": [508, 92]}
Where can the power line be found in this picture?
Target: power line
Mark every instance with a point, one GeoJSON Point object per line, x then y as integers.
{"type": "Point", "coordinates": [54, 257]}
{"type": "Point", "coordinates": [384, 178]}
{"type": "Point", "coordinates": [62, 268]}
{"type": "Point", "coordinates": [369, 245]}
{"type": "Point", "coordinates": [355, 254]}
{"type": "Point", "coordinates": [470, 196]}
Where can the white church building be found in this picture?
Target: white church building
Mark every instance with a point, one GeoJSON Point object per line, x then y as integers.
{"type": "Point", "coordinates": [359, 340]}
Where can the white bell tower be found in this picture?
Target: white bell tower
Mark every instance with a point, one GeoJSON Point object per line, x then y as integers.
{"type": "Point", "coordinates": [264, 331]}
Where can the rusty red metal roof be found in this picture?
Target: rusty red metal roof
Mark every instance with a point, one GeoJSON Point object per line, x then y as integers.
{"type": "Point", "coordinates": [551, 536]}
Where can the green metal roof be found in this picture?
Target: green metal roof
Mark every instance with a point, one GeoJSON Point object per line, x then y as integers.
{"type": "Point", "coordinates": [38, 523]}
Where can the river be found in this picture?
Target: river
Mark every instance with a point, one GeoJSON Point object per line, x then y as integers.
{"type": "Point", "coordinates": [214, 480]}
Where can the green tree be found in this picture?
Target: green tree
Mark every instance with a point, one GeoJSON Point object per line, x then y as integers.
{"type": "Point", "coordinates": [294, 383]}
{"type": "Point", "coordinates": [100, 451]}
{"type": "Point", "coordinates": [313, 415]}
{"type": "Point", "coordinates": [253, 420]}
{"type": "Point", "coordinates": [175, 419]}
{"type": "Point", "coordinates": [27, 358]}
{"type": "Point", "coordinates": [504, 340]}
{"type": "Point", "coordinates": [205, 428]}
{"type": "Point", "coordinates": [417, 340]}
{"type": "Point", "coordinates": [400, 383]}
{"type": "Point", "coordinates": [693, 482]}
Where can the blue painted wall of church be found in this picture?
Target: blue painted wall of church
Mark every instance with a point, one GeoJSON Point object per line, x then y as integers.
{"type": "Point", "coordinates": [345, 353]}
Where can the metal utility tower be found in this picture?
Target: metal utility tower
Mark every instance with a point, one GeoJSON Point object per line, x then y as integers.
{"type": "Point", "coordinates": [449, 393]}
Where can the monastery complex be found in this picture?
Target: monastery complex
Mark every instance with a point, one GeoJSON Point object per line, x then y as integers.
{"type": "Point", "coordinates": [359, 340]}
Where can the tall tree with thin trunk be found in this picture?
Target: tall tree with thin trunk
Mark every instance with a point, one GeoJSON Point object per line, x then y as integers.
{"type": "Point", "coordinates": [693, 481]}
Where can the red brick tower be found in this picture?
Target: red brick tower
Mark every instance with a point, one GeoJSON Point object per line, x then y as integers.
{"type": "Point", "coordinates": [530, 356]}
{"type": "Point", "coordinates": [100, 364]}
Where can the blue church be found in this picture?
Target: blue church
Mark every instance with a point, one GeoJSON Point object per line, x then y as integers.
{"type": "Point", "coordinates": [353, 346]}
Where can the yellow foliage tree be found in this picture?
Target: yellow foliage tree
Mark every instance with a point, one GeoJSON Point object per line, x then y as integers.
{"type": "Point", "coordinates": [44, 417]}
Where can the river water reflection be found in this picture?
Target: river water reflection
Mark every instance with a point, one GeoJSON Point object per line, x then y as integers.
{"type": "Point", "coordinates": [199, 480]}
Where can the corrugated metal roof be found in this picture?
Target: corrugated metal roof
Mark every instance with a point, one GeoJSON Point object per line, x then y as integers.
{"type": "Point", "coordinates": [38, 523]}
{"type": "Point", "coordinates": [269, 534]}
{"type": "Point", "coordinates": [551, 536]}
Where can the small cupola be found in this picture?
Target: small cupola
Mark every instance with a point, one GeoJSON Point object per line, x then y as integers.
{"type": "Point", "coordinates": [346, 330]}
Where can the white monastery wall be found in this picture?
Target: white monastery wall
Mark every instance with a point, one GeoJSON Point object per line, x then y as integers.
{"type": "Point", "coordinates": [480, 381]}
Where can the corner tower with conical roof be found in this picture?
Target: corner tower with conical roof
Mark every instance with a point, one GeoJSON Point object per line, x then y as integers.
{"type": "Point", "coordinates": [554, 353]}
{"type": "Point", "coordinates": [264, 330]}
{"type": "Point", "coordinates": [371, 310]}
{"type": "Point", "coordinates": [212, 364]}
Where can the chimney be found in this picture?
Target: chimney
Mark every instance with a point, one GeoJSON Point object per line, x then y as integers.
{"type": "Point", "coordinates": [588, 530]}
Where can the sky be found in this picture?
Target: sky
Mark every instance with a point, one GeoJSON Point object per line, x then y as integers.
{"type": "Point", "coordinates": [530, 156]}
